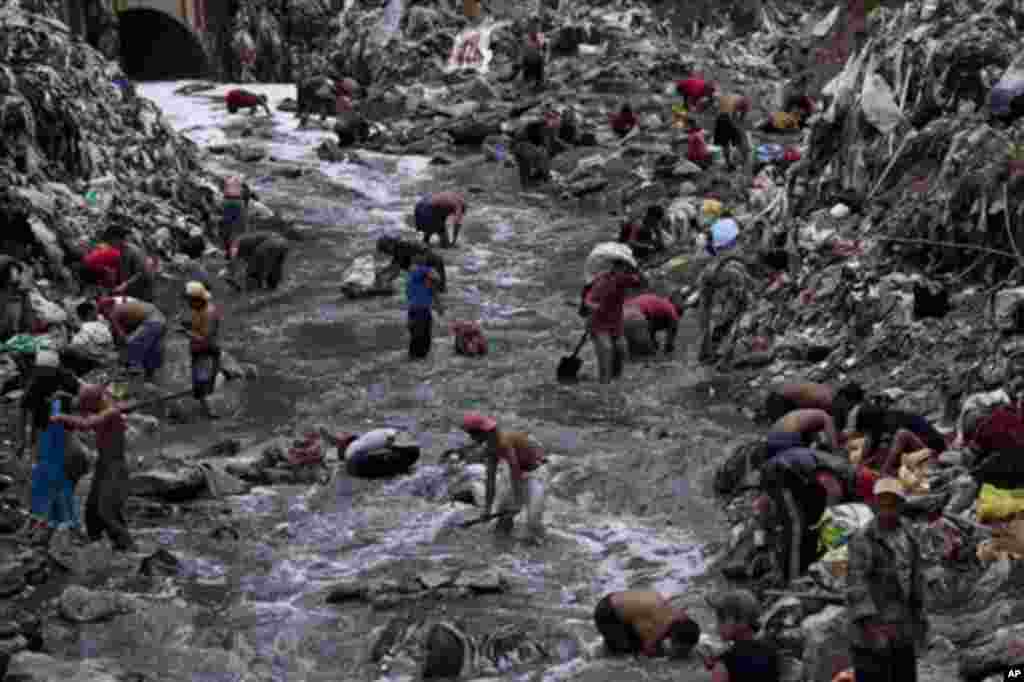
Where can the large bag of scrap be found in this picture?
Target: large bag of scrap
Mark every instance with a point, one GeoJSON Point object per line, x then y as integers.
{"type": "Point", "coordinates": [360, 280]}
{"type": "Point", "coordinates": [839, 523]}
{"type": "Point", "coordinates": [996, 503]}
{"type": "Point", "coordinates": [604, 256]}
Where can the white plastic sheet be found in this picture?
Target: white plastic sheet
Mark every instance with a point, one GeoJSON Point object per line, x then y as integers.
{"type": "Point", "coordinates": [472, 49]}
{"type": "Point", "coordinates": [878, 103]}
{"type": "Point", "coordinates": [361, 273]}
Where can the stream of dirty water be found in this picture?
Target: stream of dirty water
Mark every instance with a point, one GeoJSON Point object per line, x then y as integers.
{"type": "Point", "coordinates": [628, 467]}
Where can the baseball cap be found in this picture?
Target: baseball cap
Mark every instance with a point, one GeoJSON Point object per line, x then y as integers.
{"type": "Point", "coordinates": [474, 421]}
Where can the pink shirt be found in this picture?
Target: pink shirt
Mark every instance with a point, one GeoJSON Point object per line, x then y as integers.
{"type": "Point", "coordinates": [654, 307]}
{"type": "Point", "coordinates": [609, 294]}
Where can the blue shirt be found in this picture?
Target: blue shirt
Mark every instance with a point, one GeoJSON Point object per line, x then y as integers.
{"type": "Point", "coordinates": [417, 293]}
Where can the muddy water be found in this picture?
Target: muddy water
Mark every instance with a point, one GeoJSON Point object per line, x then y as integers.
{"type": "Point", "coordinates": [628, 464]}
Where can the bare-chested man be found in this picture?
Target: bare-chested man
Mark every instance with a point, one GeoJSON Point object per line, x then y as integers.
{"type": "Point", "coordinates": [798, 429]}
{"type": "Point", "coordinates": [637, 621]}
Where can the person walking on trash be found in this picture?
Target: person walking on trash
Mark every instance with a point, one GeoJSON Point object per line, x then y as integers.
{"type": "Point", "coordinates": [524, 460]}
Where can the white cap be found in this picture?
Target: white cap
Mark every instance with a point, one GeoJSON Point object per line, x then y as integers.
{"type": "Point", "coordinates": [47, 358]}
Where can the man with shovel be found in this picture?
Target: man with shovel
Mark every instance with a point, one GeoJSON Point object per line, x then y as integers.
{"type": "Point", "coordinates": [524, 458]}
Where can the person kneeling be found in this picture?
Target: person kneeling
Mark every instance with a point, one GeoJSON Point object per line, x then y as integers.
{"type": "Point", "coordinates": [638, 621]}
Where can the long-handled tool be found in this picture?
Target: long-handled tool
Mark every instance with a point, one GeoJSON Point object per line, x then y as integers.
{"type": "Point", "coordinates": [569, 366]}
{"type": "Point", "coordinates": [486, 518]}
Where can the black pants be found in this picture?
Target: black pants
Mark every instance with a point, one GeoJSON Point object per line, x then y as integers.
{"type": "Point", "coordinates": [798, 542]}
{"type": "Point", "coordinates": [898, 664]}
{"type": "Point", "coordinates": [104, 508]}
{"type": "Point", "coordinates": [727, 135]}
{"type": "Point", "coordinates": [619, 637]}
{"type": "Point", "coordinates": [421, 332]}
{"type": "Point", "coordinates": [776, 407]}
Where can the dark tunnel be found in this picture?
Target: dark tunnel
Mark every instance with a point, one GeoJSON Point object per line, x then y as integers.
{"type": "Point", "coordinates": [156, 46]}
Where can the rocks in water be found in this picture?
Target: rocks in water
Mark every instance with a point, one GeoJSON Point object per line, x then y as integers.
{"type": "Point", "coordinates": [160, 562]}
{"type": "Point", "coordinates": [171, 486]}
{"type": "Point", "coordinates": [28, 666]}
{"type": "Point", "coordinates": [79, 604]}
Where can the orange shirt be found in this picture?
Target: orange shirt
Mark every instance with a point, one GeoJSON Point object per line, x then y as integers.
{"type": "Point", "coordinates": [522, 454]}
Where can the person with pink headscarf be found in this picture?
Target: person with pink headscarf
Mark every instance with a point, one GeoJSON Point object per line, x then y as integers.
{"type": "Point", "coordinates": [104, 508]}
{"type": "Point", "coordinates": [524, 457]}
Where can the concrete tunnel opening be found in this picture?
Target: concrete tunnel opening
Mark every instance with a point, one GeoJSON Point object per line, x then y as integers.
{"type": "Point", "coordinates": [156, 46]}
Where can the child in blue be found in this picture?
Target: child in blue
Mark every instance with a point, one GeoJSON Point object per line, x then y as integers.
{"type": "Point", "coordinates": [422, 293]}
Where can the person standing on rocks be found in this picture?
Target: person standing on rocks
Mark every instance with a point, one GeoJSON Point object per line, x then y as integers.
{"type": "Point", "coordinates": [141, 327]}
{"type": "Point", "coordinates": [422, 295]}
{"type": "Point", "coordinates": [243, 99]}
{"type": "Point", "coordinates": [15, 310]}
{"type": "Point", "coordinates": [639, 621]}
{"type": "Point", "coordinates": [885, 592]}
{"type": "Point", "coordinates": [432, 213]}
{"type": "Point", "coordinates": [739, 615]}
{"type": "Point", "coordinates": [526, 484]}
{"type": "Point", "coordinates": [605, 301]}
{"type": "Point", "coordinates": [104, 508]}
{"type": "Point", "coordinates": [403, 254]}
{"type": "Point", "coordinates": [235, 220]}
{"type": "Point", "coordinates": [533, 55]}
{"type": "Point", "coordinates": [203, 330]}
{"type": "Point", "coordinates": [136, 272]}
{"type": "Point", "coordinates": [264, 254]}
{"type": "Point", "coordinates": [799, 484]}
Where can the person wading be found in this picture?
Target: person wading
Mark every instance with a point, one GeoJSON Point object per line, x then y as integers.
{"type": "Point", "coordinates": [203, 329]}
{"type": "Point", "coordinates": [423, 295]}
{"type": "Point", "coordinates": [639, 621]}
{"type": "Point", "coordinates": [524, 458]}
{"type": "Point", "coordinates": [104, 508]}
{"type": "Point", "coordinates": [885, 592]}
{"type": "Point", "coordinates": [605, 301]}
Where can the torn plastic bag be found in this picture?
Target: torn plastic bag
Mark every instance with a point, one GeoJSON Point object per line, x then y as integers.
{"type": "Point", "coordinates": [879, 104]}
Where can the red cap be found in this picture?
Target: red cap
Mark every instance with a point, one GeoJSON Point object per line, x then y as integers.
{"type": "Point", "coordinates": [474, 421]}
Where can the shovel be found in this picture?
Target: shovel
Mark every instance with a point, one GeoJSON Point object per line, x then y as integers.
{"type": "Point", "coordinates": [569, 366]}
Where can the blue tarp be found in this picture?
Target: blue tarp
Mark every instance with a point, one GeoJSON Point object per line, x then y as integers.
{"type": "Point", "coordinates": [53, 498]}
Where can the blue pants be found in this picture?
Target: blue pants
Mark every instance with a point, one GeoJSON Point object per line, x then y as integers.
{"type": "Point", "coordinates": [145, 347]}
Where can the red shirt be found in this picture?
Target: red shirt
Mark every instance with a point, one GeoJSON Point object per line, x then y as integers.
{"type": "Point", "coordinates": [694, 88]}
{"type": "Point", "coordinates": [1002, 430]}
{"type": "Point", "coordinates": [105, 262]}
{"type": "Point", "coordinates": [697, 149]}
{"type": "Point", "coordinates": [241, 99]}
{"type": "Point", "coordinates": [654, 307]}
{"type": "Point", "coordinates": [609, 294]}
{"type": "Point", "coordinates": [623, 121]}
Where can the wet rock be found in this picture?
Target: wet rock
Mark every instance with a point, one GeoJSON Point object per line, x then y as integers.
{"type": "Point", "coordinates": [172, 486]}
{"type": "Point", "coordinates": [29, 666]}
{"type": "Point", "coordinates": [487, 580]}
{"type": "Point", "coordinates": [827, 645]}
{"type": "Point", "coordinates": [79, 604]}
{"type": "Point", "coordinates": [12, 579]}
{"type": "Point", "coordinates": [160, 562]}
